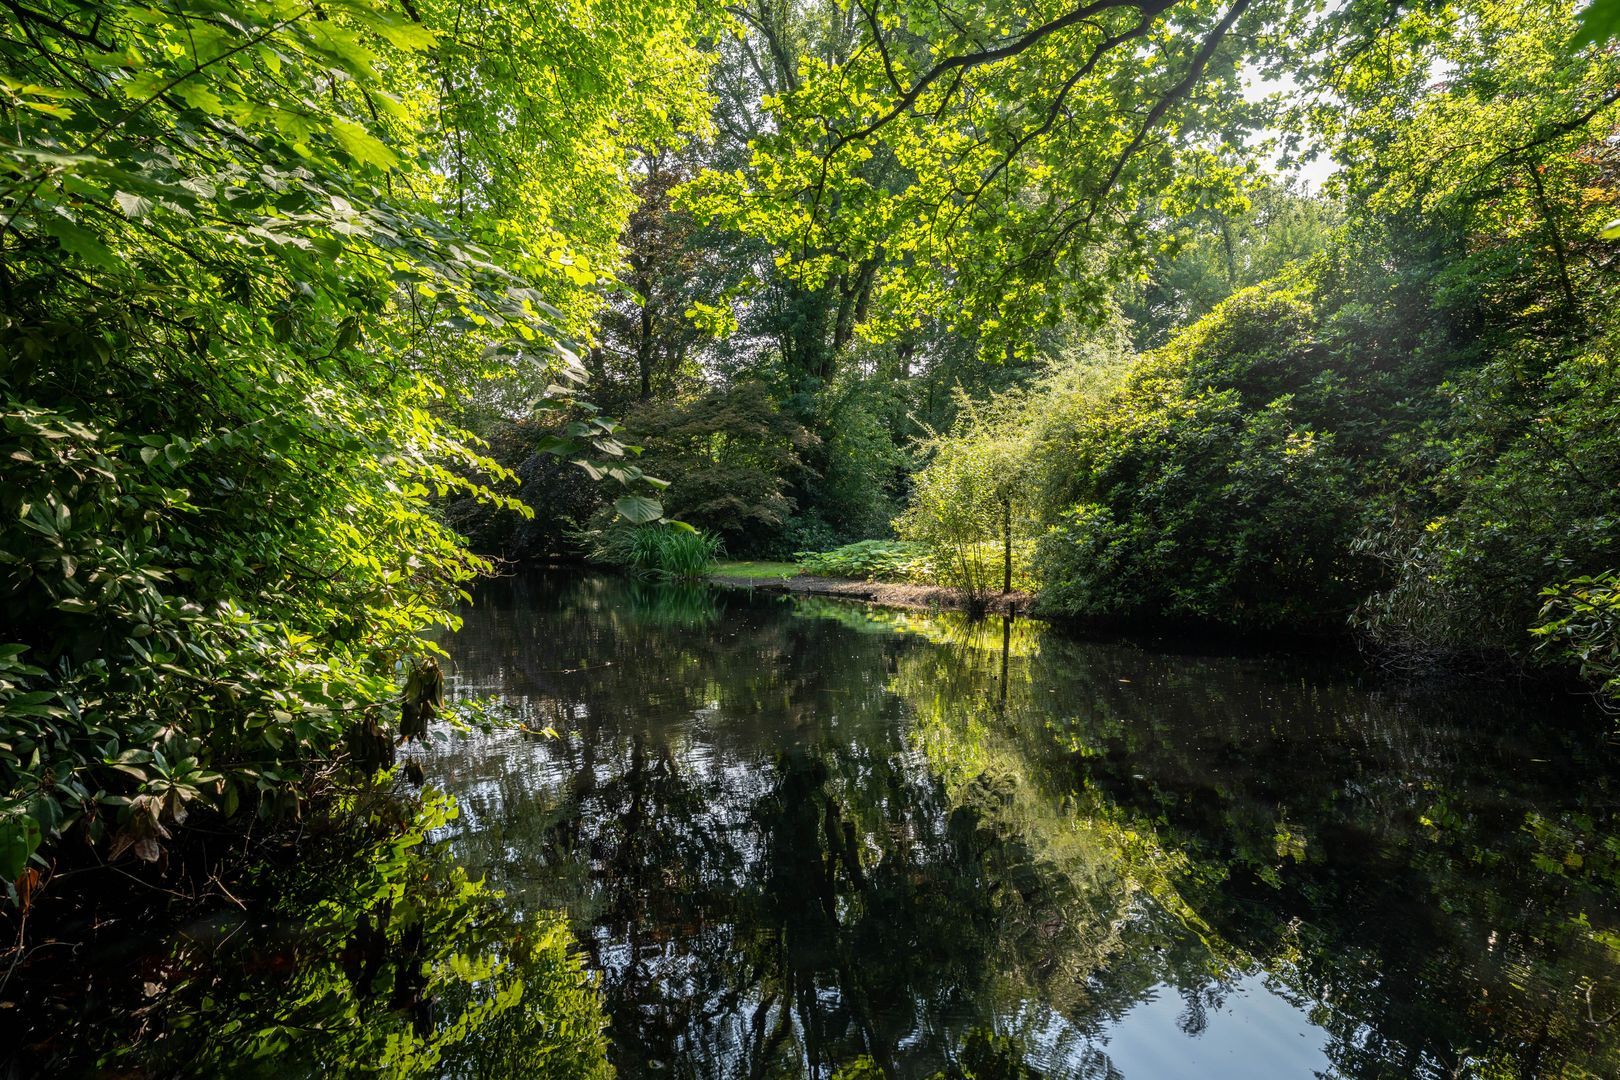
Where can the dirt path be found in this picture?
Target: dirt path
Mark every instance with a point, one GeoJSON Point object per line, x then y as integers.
{"type": "Point", "coordinates": [885, 593]}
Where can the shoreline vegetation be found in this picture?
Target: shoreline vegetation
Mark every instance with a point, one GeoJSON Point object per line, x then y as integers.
{"type": "Point", "coordinates": [902, 595]}
{"type": "Point", "coordinates": [1460, 667]}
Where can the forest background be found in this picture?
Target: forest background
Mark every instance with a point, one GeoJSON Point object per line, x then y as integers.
{"type": "Point", "coordinates": [1271, 319]}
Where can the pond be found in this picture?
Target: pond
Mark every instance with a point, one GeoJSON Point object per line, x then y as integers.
{"type": "Point", "coordinates": [796, 836]}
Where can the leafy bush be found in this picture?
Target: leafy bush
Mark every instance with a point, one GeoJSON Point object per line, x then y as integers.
{"type": "Point", "coordinates": [727, 455]}
{"type": "Point", "coordinates": [200, 603]}
{"type": "Point", "coordinates": [853, 472]}
{"type": "Point", "coordinates": [871, 560]}
{"type": "Point", "coordinates": [1203, 487]}
{"type": "Point", "coordinates": [1580, 624]}
{"type": "Point", "coordinates": [562, 496]}
{"type": "Point", "coordinates": [1525, 494]}
{"type": "Point", "coordinates": [972, 496]}
{"type": "Point", "coordinates": [804, 530]}
{"type": "Point", "coordinates": [986, 562]}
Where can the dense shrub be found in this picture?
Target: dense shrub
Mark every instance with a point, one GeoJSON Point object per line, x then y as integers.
{"type": "Point", "coordinates": [1205, 487]}
{"type": "Point", "coordinates": [970, 501]}
{"type": "Point", "coordinates": [1580, 623]}
{"type": "Point", "coordinates": [235, 323]}
{"type": "Point", "coordinates": [195, 614]}
{"type": "Point", "coordinates": [562, 497]}
{"type": "Point", "coordinates": [1306, 457]}
{"type": "Point", "coordinates": [852, 472]}
{"type": "Point", "coordinates": [1526, 494]}
{"type": "Point", "coordinates": [804, 530]}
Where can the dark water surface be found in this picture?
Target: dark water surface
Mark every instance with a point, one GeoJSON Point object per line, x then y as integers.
{"type": "Point", "coordinates": [797, 836]}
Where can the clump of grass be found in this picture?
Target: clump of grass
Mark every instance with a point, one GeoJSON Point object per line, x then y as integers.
{"type": "Point", "coordinates": [666, 550]}
{"type": "Point", "coordinates": [758, 568]}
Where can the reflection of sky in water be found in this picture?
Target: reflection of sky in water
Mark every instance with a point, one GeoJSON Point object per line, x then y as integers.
{"type": "Point", "coordinates": [1287, 807]}
{"type": "Point", "coordinates": [1255, 1034]}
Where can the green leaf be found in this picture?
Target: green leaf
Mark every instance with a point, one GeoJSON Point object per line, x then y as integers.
{"type": "Point", "coordinates": [134, 207]}
{"type": "Point", "coordinates": [20, 835]}
{"type": "Point", "coordinates": [399, 32]}
{"type": "Point", "coordinates": [361, 145]}
{"type": "Point", "coordinates": [638, 509]}
{"type": "Point", "coordinates": [1599, 22]}
{"type": "Point", "coordinates": [81, 242]}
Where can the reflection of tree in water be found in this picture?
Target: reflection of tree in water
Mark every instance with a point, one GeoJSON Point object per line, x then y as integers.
{"type": "Point", "coordinates": [769, 877]}
{"type": "Point", "coordinates": [792, 843]}
{"type": "Point", "coordinates": [1370, 855]}
{"type": "Point", "coordinates": [358, 950]}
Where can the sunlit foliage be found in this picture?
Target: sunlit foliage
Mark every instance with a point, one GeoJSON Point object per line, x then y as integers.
{"type": "Point", "coordinates": [248, 252]}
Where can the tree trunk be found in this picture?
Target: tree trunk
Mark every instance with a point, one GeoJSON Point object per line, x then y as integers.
{"type": "Point", "coordinates": [644, 347]}
{"type": "Point", "coordinates": [1006, 545]}
{"type": "Point", "coordinates": [852, 300]}
{"type": "Point", "coordinates": [1560, 254]}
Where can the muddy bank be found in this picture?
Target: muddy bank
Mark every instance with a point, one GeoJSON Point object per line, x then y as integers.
{"type": "Point", "coordinates": [886, 593]}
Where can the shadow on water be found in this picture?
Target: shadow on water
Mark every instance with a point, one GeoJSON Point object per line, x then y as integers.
{"type": "Point", "coordinates": [797, 836]}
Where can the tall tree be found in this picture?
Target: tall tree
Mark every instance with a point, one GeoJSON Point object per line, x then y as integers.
{"type": "Point", "coordinates": [989, 161]}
